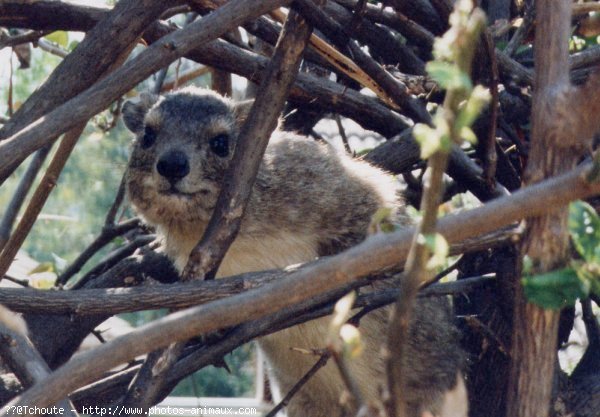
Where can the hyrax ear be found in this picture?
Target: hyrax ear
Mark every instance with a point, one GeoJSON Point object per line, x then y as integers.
{"type": "Point", "coordinates": [135, 110]}
{"type": "Point", "coordinates": [241, 111]}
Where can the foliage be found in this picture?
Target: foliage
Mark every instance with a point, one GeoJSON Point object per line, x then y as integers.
{"type": "Point", "coordinates": [560, 288]}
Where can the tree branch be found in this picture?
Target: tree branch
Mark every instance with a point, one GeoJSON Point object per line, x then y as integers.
{"type": "Point", "coordinates": [254, 136]}
{"type": "Point", "coordinates": [19, 196]}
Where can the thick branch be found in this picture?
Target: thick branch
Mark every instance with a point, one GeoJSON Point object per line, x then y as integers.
{"type": "Point", "coordinates": [225, 222]}
{"type": "Point", "coordinates": [110, 301]}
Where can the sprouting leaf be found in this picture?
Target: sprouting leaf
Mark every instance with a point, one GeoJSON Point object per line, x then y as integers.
{"type": "Point", "coordinates": [449, 76]}
{"type": "Point", "coordinates": [584, 227]}
{"type": "Point", "coordinates": [427, 138]}
{"type": "Point", "coordinates": [381, 221]}
{"type": "Point", "coordinates": [43, 267]}
{"type": "Point", "coordinates": [59, 263]}
{"type": "Point", "coordinates": [59, 37]}
{"type": "Point", "coordinates": [556, 289]}
{"type": "Point", "coordinates": [43, 281]}
{"type": "Point", "coordinates": [467, 134]}
{"type": "Point", "coordinates": [341, 313]}
{"type": "Point", "coordinates": [353, 345]}
{"type": "Point", "coordinates": [439, 248]}
{"type": "Point", "coordinates": [432, 140]}
{"type": "Point", "coordinates": [478, 98]}
{"type": "Point", "coordinates": [589, 273]}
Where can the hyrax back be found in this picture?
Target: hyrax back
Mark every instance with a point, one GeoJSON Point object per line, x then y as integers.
{"type": "Point", "coordinates": [308, 200]}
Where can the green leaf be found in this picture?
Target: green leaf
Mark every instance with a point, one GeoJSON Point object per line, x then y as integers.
{"type": "Point", "coordinates": [477, 100]}
{"type": "Point", "coordinates": [467, 134]}
{"type": "Point", "coordinates": [556, 289]}
{"type": "Point", "coordinates": [42, 267]}
{"type": "Point", "coordinates": [59, 37]}
{"type": "Point", "coordinates": [449, 76]}
{"type": "Point", "coordinates": [589, 273]}
{"type": "Point", "coordinates": [584, 226]}
{"type": "Point", "coordinates": [381, 221]}
{"type": "Point", "coordinates": [427, 138]}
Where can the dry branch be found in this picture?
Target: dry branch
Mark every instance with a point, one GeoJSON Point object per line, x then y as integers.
{"type": "Point", "coordinates": [109, 232]}
{"type": "Point", "coordinates": [254, 136]}
{"type": "Point", "coordinates": [11, 212]}
{"type": "Point", "coordinates": [207, 354]}
{"type": "Point", "coordinates": [112, 301]}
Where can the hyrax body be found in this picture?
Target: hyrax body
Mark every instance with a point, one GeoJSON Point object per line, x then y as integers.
{"type": "Point", "coordinates": [308, 201]}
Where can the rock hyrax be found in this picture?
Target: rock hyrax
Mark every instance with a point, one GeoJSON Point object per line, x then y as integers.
{"type": "Point", "coordinates": [308, 200]}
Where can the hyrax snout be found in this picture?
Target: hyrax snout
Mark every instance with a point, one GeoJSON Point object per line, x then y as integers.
{"type": "Point", "coordinates": [308, 200]}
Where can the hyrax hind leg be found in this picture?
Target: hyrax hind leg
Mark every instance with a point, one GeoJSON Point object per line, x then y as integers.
{"type": "Point", "coordinates": [434, 365]}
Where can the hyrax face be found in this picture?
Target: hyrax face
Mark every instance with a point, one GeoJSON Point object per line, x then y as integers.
{"type": "Point", "coordinates": [184, 143]}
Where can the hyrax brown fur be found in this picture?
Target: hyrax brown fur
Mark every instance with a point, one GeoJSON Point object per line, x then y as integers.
{"type": "Point", "coordinates": [308, 200]}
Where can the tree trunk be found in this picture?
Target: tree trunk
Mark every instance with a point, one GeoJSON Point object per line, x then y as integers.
{"type": "Point", "coordinates": [554, 149]}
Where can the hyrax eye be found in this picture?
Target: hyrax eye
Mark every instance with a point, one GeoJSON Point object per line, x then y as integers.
{"type": "Point", "coordinates": [149, 137]}
{"type": "Point", "coordinates": [220, 145]}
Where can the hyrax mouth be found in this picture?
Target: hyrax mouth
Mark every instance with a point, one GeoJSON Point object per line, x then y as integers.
{"type": "Point", "coordinates": [174, 191]}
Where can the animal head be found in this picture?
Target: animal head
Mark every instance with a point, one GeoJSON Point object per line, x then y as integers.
{"type": "Point", "coordinates": [184, 143]}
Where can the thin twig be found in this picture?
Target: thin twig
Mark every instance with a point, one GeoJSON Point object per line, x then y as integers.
{"type": "Point", "coordinates": [522, 31]}
{"type": "Point", "coordinates": [160, 79]}
{"type": "Point", "coordinates": [52, 48]}
{"type": "Point", "coordinates": [113, 258]}
{"type": "Point", "coordinates": [386, 84]}
{"type": "Point", "coordinates": [349, 381]}
{"type": "Point", "coordinates": [20, 194]}
{"type": "Point", "coordinates": [490, 158]}
{"type": "Point", "coordinates": [30, 36]}
{"type": "Point", "coordinates": [108, 233]}
{"type": "Point", "coordinates": [342, 132]}
{"type": "Point", "coordinates": [184, 78]}
{"type": "Point", "coordinates": [301, 382]}
{"type": "Point", "coordinates": [111, 215]}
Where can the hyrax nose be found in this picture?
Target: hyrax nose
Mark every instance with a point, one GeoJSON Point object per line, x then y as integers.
{"type": "Point", "coordinates": [173, 165]}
